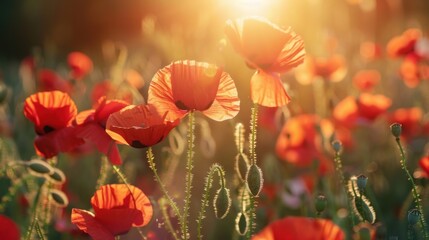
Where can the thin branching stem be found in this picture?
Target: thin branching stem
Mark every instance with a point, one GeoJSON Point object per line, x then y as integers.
{"type": "Point", "coordinates": [206, 194]}
{"type": "Point", "coordinates": [169, 227]}
{"type": "Point", "coordinates": [416, 194]}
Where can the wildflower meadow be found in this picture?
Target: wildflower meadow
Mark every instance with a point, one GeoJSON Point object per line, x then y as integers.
{"type": "Point", "coordinates": [214, 120]}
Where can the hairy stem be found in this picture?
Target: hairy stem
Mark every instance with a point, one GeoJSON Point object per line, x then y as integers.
{"type": "Point", "coordinates": [189, 175]}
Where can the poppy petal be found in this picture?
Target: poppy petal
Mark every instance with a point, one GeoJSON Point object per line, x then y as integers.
{"type": "Point", "coordinates": [227, 103]}
{"type": "Point", "coordinates": [8, 230]}
{"type": "Point", "coordinates": [292, 54]}
{"type": "Point", "coordinates": [86, 222]}
{"type": "Point", "coordinates": [116, 196]}
{"type": "Point", "coordinates": [96, 134]}
{"type": "Point", "coordinates": [267, 90]}
{"type": "Point", "coordinates": [80, 64]}
{"type": "Point", "coordinates": [139, 126]}
{"type": "Point", "coordinates": [84, 117]}
{"type": "Point", "coordinates": [49, 110]}
{"type": "Point", "coordinates": [107, 107]}
{"type": "Point", "coordinates": [51, 144]}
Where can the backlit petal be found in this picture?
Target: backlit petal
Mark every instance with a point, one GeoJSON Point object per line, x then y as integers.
{"type": "Point", "coordinates": [267, 90]}
{"type": "Point", "coordinates": [86, 222]}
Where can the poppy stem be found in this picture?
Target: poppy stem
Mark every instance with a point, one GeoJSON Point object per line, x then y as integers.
{"type": "Point", "coordinates": [253, 133]}
{"type": "Point", "coordinates": [104, 172]}
{"type": "Point", "coordinates": [416, 194]}
{"type": "Point", "coordinates": [189, 175]}
{"type": "Point", "coordinates": [169, 227]}
{"type": "Point", "coordinates": [206, 194]}
{"type": "Point", "coordinates": [152, 166]}
{"type": "Point", "coordinates": [34, 211]}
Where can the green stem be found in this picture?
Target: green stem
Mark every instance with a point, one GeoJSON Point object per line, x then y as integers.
{"type": "Point", "coordinates": [34, 211]}
{"type": "Point", "coordinates": [152, 166]}
{"type": "Point", "coordinates": [104, 170]}
{"type": "Point", "coordinates": [206, 194]}
{"type": "Point", "coordinates": [253, 133]}
{"type": "Point", "coordinates": [339, 169]}
{"type": "Point", "coordinates": [189, 175]}
{"type": "Point", "coordinates": [416, 194]}
{"type": "Point", "coordinates": [169, 226]}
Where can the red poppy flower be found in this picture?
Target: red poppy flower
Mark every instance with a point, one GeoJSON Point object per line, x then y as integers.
{"type": "Point", "coordinates": [372, 105]}
{"type": "Point", "coordinates": [52, 114]}
{"type": "Point", "coordinates": [346, 112]}
{"type": "Point", "coordinates": [300, 143]}
{"type": "Point", "coordinates": [410, 118]}
{"type": "Point", "coordinates": [270, 50]}
{"type": "Point", "coordinates": [424, 164]}
{"type": "Point", "coordinates": [139, 126]}
{"type": "Point", "coordinates": [404, 45]}
{"type": "Point", "coordinates": [49, 111]}
{"type": "Point", "coordinates": [80, 64]}
{"type": "Point", "coordinates": [8, 230]}
{"type": "Point", "coordinates": [365, 80]}
{"type": "Point", "coordinates": [187, 85]}
{"type": "Point", "coordinates": [302, 228]}
{"type": "Point", "coordinates": [332, 69]}
{"type": "Point", "coordinates": [117, 208]}
{"type": "Point", "coordinates": [92, 124]}
{"type": "Point", "coordinates": [51, 81]}
{"type": "Point", "coordinates": [370, 51]}
{"type": "Point", "coordinates": [413, 71]}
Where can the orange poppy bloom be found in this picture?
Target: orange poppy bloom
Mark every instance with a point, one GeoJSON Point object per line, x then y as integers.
{"type": "Point", "coordinates": [413, 71]}
{"type": "Point", "coordinates": [302, 228]}
{"type": "Point", "coordinates": [51, 81]}
{"type": "Point", "coordinates": [403, 45]}
{"type": "Point", "coordinates": [299, 142]}
{"type": "Point", "coordinates": [370, 50]}
{"type": "Point", "coordinates": [365, 80]}
{"type": "Point", "coordinates": [106, 88]}
{"type": "Point", "coordinates": [410, 118]}
{"type": "Point", "coordinates": [270, 50]}
{"type": "Point", "coordinates": [80, 64]}
{"type": "Point", "coordinates": [187, 85]}
{"type": "Point", "coordinates": [139, 126]}
{"type": "Point", "coordinates": [372, 105]}
{"type": "Point", "coordinates": [92, 124]}
{"type": "Point", "coordinates": [52, 114]}
{"type": "Point", "coordinates": [8, 230]}
{"type": "Point", "coordinates": [332, 69]}
{"type": "Point", "coordinates": [346, 112]}
{"type": "Point", "coordinates": [117, 208]}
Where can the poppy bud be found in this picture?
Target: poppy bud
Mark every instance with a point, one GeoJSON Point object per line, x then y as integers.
{"type": "Point", "coordinates": [39, 168]}
{"type": "Point", "coordinates": [222, 202]}
{"type": "Point", "coordinates": [59, 198]}
{"type": "Point", "coordinates": [413, 216]}
{"type": "Point", "coordinates": [337, 146]}
{"type": "Point", "coordinates": [396, 129]}
{"type": "Point", "coordinates": [241, 165]}
{"type": "Point", "coordinates": [254, 180]}
{"type": "Point", "coordinates": [241, 223]}
{"type": "Point", "coordinates": [57, 176]}
{"type": "Point", "coordinates": [361, 182]}
{"type": "Point", "coordinates": [321, 203]}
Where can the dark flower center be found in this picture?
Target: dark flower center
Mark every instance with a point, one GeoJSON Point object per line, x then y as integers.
{"type": "Point", "coordinates": [48, 129]}
{"type": "Point", "coordinates": [137, 144]}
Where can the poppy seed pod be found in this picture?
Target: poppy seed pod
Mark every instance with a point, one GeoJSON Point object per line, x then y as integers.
{"type": "Point", "coordinates": [57, 176]}
{"type": "Point", "coordinates": [241, 223]}
{"type": "Point", "coordinates": [222, 202]}
{"type": "Point", "coordinates": [254, 180]}
{"type": "Point", "coordinates": [59, 198]}
{"type": "Point", "coordinates": [39, 168]}
{"type": "Point", "coordinates": [361, 182]}
{"type": "Point", "coordinates": [337, 146]}
{"type": "Point", "coordinates": [321, 203]}
{"type": "Point", "coordinates": [413, 216]}
{"type": "Point", "coordinates": [396, 129]}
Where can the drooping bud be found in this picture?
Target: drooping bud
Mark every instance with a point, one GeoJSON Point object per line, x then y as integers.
{"type": "Point", "coordinates": [57, 176]}
{"type": "Point", "coordinates": [39, 168]}
{"type": "Point", "coordinates": [59, 198]}
{"type": "Point", "coordinates": [320, 203]}
{"type": "Point", "coordinates": [241, 223]}
{"type": "Point", "coordinates": [396, 129]}
{"type": "Point", "coordinates": [361, 182]}
{"type": "Point", "coordinates": [413, 216]}
{"type": "Point", "coordinates": [337, 146]}
{"type": "Point", "coordinates": [254, 179]}
{"type": "Point", "coordinates": [222, 202]}
{"type": "Point", "coordinates": [241, 165]}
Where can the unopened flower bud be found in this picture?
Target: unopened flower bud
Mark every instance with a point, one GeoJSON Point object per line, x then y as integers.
{"type": "Point", "coordinates": [396, 129]}
{"type": "Point", "coordinates": [241, 165]}
{"type": "Point", "coordinates": [39, 168]}
{"type": "Point", "coordinates": [337, 146]}
{"type": "Point", "coordinates": [413, 216]}
{"type": "Point", "coordinates": [241, 223]}
{"type": "Point", "coordinates": [254, 180]}
{"type": "Point", "coordinates": [222, 202]}
{"type": "Point", "coordinates": [361, 182]}
{"type": "Point", "coordinates": [59, 198]}
{"type": "Point", "coordinates": [321, 203]}
{"type": "Point", "coordinates": [57, 176]}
